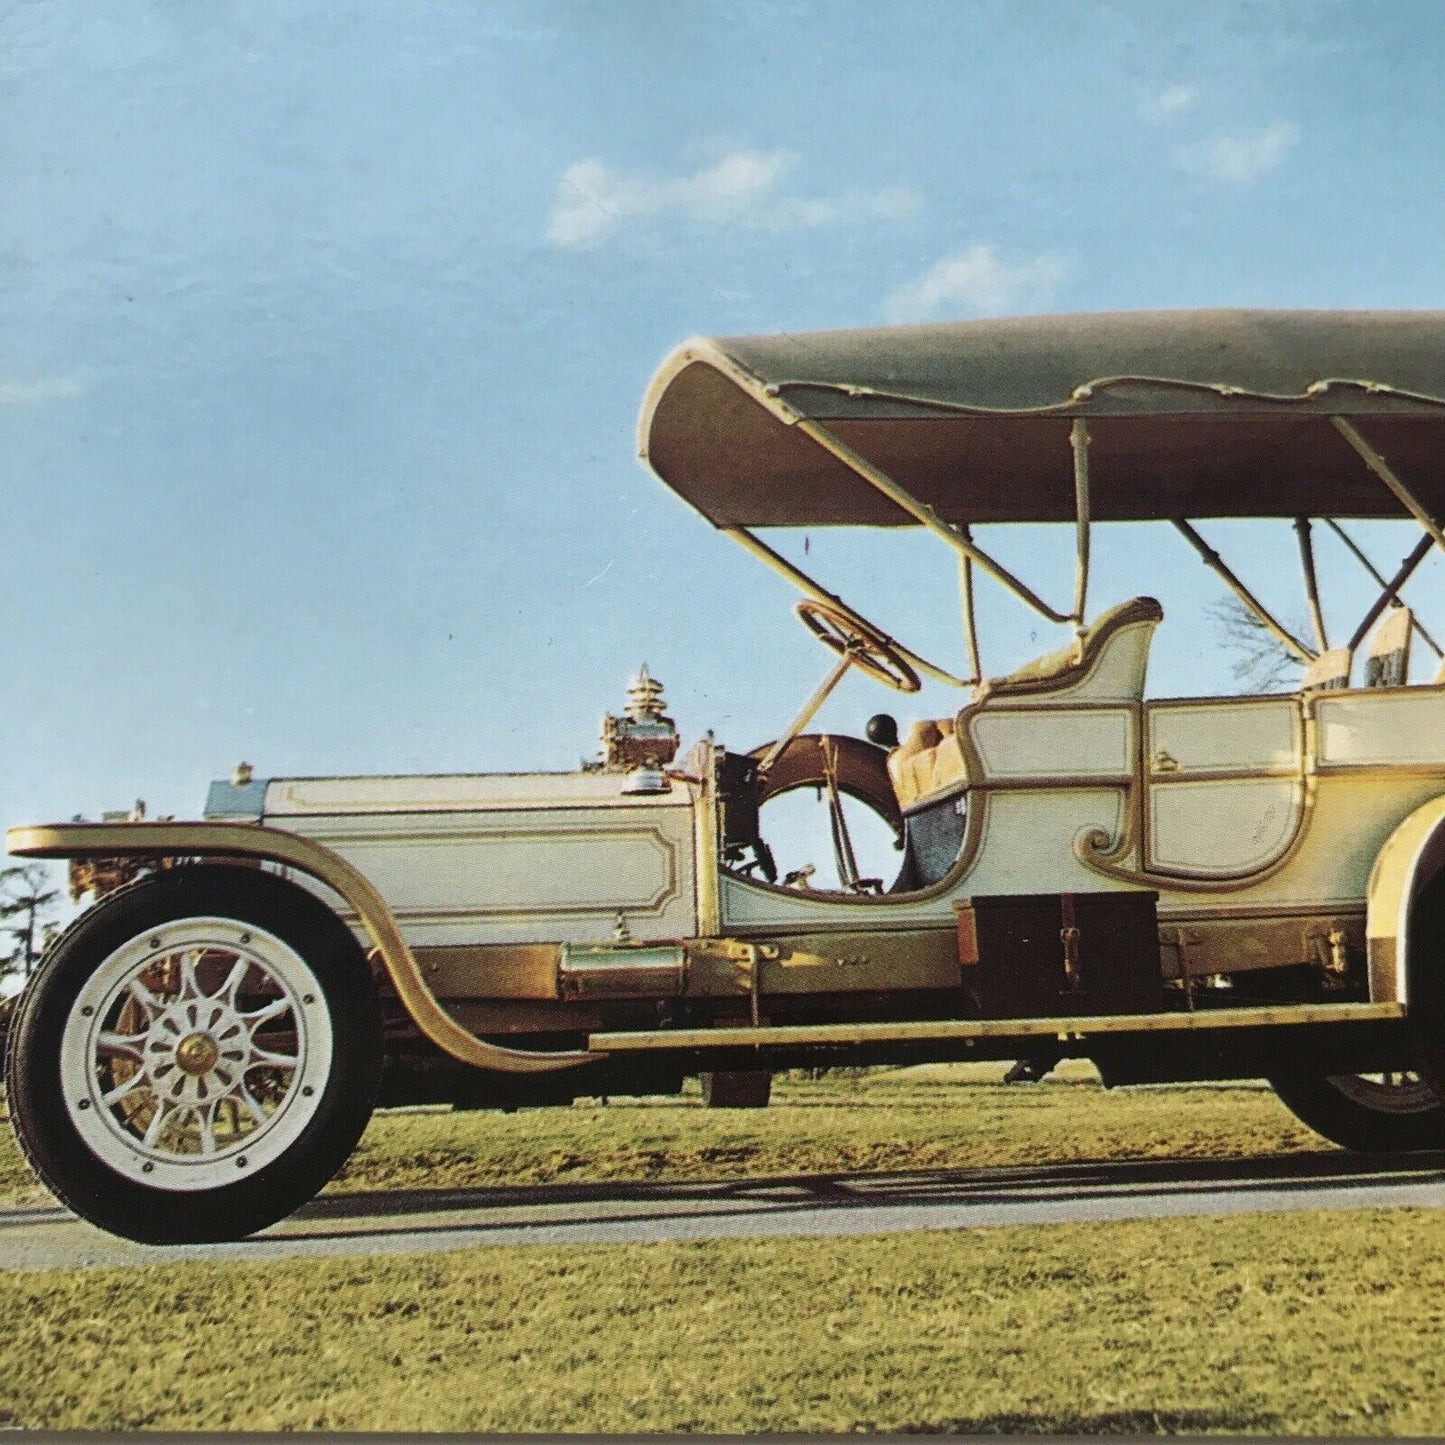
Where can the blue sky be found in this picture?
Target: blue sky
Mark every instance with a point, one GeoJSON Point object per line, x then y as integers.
{"type": "Point", "coordinates": [323, 329]}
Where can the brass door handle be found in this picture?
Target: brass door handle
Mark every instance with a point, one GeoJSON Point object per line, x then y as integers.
{"type": "Point", "coordinates": [1165, 762]}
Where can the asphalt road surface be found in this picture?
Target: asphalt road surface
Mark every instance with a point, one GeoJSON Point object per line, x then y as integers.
{"type": "Point", "coordinates": [424, 1220]}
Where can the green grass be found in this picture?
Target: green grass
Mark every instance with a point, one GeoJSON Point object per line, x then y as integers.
{"type": "Point", "coordinates": [18, 1186]}
{"type": "Point", "coordinates": [936, 1117]}
{"type": "Point", "coordinates": [940, 1116]}
{"type": "Point", "coordinates": [1314, 1323]}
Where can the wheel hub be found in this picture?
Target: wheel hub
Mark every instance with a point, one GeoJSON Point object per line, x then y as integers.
{"type": "Point", "coordinates": [197, 1053]}
{"type": "Point", "coordinates": [196, 1050]}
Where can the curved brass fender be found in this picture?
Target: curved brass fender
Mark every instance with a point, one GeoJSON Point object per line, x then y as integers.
{"type": "Point", "coordinates": [253, 840]}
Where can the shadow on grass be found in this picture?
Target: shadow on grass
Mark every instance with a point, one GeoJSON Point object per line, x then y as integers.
{"type": "Point", "coordinates": [1009, 1185]}
{"type": "Point", "coordinates": [1120, 1189]}
{"type": "Point", "coordinates": [1110, 1422]}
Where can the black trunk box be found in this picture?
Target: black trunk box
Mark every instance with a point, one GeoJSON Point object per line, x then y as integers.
{"type": "Point", "coordinates": [1046, 955]}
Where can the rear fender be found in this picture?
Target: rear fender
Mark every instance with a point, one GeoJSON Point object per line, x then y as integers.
{"type": "Point", "coordinates": [1413, 856]}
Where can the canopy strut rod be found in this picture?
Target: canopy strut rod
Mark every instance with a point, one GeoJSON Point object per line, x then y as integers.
{"type": "Point", "coordinates": [970, 620]}
{"type": "Point", "coordinates": [1379, 577]}
{"type": "Point", "coordinates": [1215, 563]}
{"type": "Point", "coordinates": [810, 708]}
{"type": "Point", "coordinates": [1312, 582]}
{"type": "Point", "coordinates": [922, 512]}
{"type": "Point", "coordinates": [1079, 440]}
{"type": "Point", "coordinates": [819, 593]}
{"type": "Point", "coordinates": [1381, 469]}
{"type": "Point", "coordinates": [1392, 588]}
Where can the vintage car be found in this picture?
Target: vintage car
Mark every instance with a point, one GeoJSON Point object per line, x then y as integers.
{"type": "Point", "coordinates": [1174, 888]}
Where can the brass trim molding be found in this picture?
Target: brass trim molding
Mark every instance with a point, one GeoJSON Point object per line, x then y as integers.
{"type": "Point", "coordinates": [668, 849]}
{"type": "Point", "coordinates": [1266, 912]}
{"type": "Point", "coordinates": [252, 840]}
{"type": "Point", "coordinates": [1095, 849]}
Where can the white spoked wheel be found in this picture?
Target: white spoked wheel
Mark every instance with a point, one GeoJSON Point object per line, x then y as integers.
{"type": "Point", "coordinates": [197, 1056]}
{"type": "Point", "coordinates": [196, 1051]}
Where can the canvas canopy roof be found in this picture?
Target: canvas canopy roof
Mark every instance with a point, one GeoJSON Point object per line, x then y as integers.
{"type": "Point", "coordinates": [1190, 414]}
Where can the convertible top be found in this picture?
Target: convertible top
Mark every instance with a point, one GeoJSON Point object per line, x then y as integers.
{"type": "Point", "coordinates": [1191, 414]}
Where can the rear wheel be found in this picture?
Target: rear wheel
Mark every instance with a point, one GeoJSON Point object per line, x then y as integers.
{"type": "Point", "coordinates": [196, 1057]}
{"type": "Point", "coordinates": [1370, 1113]}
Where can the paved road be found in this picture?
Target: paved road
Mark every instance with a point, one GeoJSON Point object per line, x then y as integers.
{"type": "Point", "coordinates": [423, 1220]}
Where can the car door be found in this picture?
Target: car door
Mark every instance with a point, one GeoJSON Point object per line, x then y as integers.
{"type": "Point", "coordinates": [1224, 784]}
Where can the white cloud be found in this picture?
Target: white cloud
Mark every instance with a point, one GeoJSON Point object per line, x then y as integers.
{"type": "Point", "coordinates": [32, 393]}
{"type": "Point", "coordinates": [977, 282]}
{"type": "Point", "coordinates": [743, 189]}
{"type": "Point", "coordinates": [1240, 159]}
{"type": "Point", "coordinates": [1172, 100]}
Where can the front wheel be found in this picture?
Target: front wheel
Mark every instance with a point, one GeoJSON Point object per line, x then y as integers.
{"type": "Point", "coordinates": [1370, 1113]}
{"type": "Point", "coordinates": [196, 1057]}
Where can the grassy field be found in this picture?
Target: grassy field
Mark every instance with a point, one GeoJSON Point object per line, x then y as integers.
{"type": "Point", "coordinates": [1317, 1323]}
{"type": "Point", "coordinates": [942, 1116]}
{"type": "Point", "coordinates": [1312, 1323]}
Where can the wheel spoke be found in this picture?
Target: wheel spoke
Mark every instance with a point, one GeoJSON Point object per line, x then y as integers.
{"type": "Point", "coordinates": [272, 1010]}
{"type": "Point", "coordinates": [157, 1123]}
{"type": "Point", "coordinates": [190, 985]}
{"type": "Point", "coordinates": [227, 991]}
{"type": "Point", "coordinates": [264, 1056]}
{"type": "Point", "coordinates": [205, 1117]}
{"type": "Point", "coordinates": [125, 1046]}
{"type": "Point", "coordinates": [115, 1095]}
{"type": "Point", "coordinates": [253, 1107]}
{"type": "Point", "coordinates": [145, 998]}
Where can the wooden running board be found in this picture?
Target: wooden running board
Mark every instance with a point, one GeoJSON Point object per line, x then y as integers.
{"type": "Point", "coordinates": [929, 1030]}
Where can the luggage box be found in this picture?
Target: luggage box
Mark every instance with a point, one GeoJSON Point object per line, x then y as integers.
{"type": "Point", "coordinates": [1042, 955]}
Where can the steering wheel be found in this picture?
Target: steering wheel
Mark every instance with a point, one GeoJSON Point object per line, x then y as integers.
{"type": "Point", "coordinates": [867, 650]}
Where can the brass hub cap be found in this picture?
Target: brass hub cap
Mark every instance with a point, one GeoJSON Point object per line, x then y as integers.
{"type": "Point", "coordinates": [198, 1053]}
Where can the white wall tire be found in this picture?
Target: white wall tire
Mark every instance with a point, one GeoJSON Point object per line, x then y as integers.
{"type": "Point", "coordinates": [196, 1057]}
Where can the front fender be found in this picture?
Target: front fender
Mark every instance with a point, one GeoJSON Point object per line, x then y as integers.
{"type": "Point", "coordinates": [273, 845]}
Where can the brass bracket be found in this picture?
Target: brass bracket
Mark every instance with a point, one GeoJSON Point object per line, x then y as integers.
{"type": "Point", "coordinates": [1069, 937]}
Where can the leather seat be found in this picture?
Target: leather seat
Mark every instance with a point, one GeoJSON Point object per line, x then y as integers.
{"type": "Point", "coordinates": [926, 761]}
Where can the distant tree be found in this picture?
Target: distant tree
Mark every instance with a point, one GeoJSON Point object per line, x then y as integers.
{"type": "Point", "coordinates": [1262, 663]}
{"type": "Point", "coordinates": [26, 897]}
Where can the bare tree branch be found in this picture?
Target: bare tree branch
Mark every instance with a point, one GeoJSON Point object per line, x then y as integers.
{"type": "Point", "coordinates": [1262, 663]}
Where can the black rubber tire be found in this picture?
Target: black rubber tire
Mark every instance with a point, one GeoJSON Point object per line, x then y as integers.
{"type": "Point", "coordinates": [737, 1089]}
{"type": "Point", "coordinates": [1341, 1107]}
{"type": "Point", "coordinates": [1338, 1107]}
{"type": "Point", "coordinates": [123, 1205]}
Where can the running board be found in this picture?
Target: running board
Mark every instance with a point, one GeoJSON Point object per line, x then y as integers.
{"type": "Point", "coordinates": [937, 1030]}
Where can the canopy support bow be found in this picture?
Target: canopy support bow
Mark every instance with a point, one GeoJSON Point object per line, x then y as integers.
{"type": "Point", "coordinates": [1079, 441]}
{"type": "Point", "coordinates": [1216, 564]}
